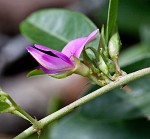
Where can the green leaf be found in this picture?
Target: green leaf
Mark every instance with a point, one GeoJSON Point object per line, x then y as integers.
{"type": "Point", "coordinates": [135, 58]}
{"type": "Point", "coordinates": [112, 19]}
{"type": "Point", "coordinates": [35, 72]}
{"type": "Point", "coordinates": [54, 28]}
{"type": "Point", "coordinates": [3, 104]}
{"type": "Point", "coordinates": [75, 126]}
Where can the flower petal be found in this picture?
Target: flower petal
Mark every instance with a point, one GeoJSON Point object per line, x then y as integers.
{"type": "Point", "coordinates": [49, 71]}
{"type": "Point", "coordinates": [76, 46]}
{"type": "Point", "coordinates": [51, 63]}
{"type": "Point", "coordinates": [57, 53]}
{"type": "Point", "coordinates": [41, 47]}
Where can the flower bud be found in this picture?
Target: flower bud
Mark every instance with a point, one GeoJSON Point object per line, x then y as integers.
{"type": "Point", "coordinates": [88, 62]}
{"type": "Point", "coordinates": [111, 65]}
{"type": "Point", "coordinates": [114, 46]}
{"type": "Point", "coordinates": [102, 66]}
{"type": "Point", "coordinates": [102, 44]}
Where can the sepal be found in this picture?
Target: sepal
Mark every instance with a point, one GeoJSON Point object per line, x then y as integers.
{"type": "Point", "coordinates": [114, 46]}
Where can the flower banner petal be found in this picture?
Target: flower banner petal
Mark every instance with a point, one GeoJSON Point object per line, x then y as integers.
{"type": "Point", "coordinates": [76, 46]}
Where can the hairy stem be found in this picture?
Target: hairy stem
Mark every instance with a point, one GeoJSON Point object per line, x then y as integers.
{"type": "Point", "coordinates": [122, 81]}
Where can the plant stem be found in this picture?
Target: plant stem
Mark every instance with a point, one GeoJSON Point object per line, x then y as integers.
{"type": "Point", "coordinates": [20, 115]}
{"type": "Point", "coordinates": [118, 70]}
{"type": "Point", "coordinates": [122, 81]}
{"type": "Point", "coordinates": [100, 83]}
{"type": "Point", "coordinates": [20, 112]}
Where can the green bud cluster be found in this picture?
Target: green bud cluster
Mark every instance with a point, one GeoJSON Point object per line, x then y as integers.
{"type": "Point", "coordinates": [103, 62]}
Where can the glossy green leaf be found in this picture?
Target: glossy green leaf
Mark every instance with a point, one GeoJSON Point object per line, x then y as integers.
{"type": "Point", "coordinates": [135, 58]}
{"type": "Point", "coordinates": [54, 28]}
{"type": "Point", "coordinates": [76, 126]}
{"type": "Point", "coordinates": [112, 19]}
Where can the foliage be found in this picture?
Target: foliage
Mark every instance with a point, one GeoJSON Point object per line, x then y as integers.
{"type": "Point", "coordinates": [54, 28]}
{"type": "Point", "coordinates": [120, 113]}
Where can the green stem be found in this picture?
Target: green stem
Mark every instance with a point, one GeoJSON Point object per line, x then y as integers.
{"type": "Point", "coordinates": [118, 70]}
{"type": "Point", "coordinates": [20, 112]}
{"type": "Point", "coordinates": [100, 83]}
{"type": "Point", "coordinates": [122, 81]}
{"type": "Point", "coordinates": [20, 115]}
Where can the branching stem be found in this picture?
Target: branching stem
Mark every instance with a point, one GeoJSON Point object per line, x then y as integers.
{"type": "Point", "coordinates": [58, 114]}
{"type": "Point", "coordinates": [20, 112]}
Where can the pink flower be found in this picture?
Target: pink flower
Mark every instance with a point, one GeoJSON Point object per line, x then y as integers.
{"type": "Point", "coordinates": [60, 62]}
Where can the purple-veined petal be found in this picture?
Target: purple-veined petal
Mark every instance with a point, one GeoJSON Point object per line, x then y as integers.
{"type": "Point", "coordinates": [57, 53]}
{"type": "Point", "coordinates": [54, 64]}
{"type": "Point", "coordinates": [76, 46]}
